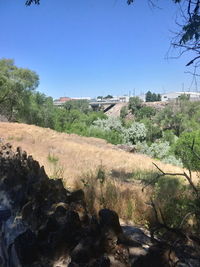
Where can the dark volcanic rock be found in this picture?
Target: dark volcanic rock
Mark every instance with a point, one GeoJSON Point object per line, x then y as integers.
{"type": "Point", "coordinates": [43, 224]}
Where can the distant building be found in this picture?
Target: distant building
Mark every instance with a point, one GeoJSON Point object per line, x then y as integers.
{"type": "Point", "coordinates": [175, 95]}
{"type": "Point", "coordinates": [194, 96]}
{"type": "Point", "coordinates": [124, 98]}
{"type": "Point", "coordinates": [62, 100]}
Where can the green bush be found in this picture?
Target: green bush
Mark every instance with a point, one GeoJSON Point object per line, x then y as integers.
{"type": "Point", "coordinates": [145, 112]}
{"type": "Point", "coordinates": [123, 112]}
{"type": "Point", "coordinates": [187, 148]}
{"type": "Point", "coordinates": [153, 130]}
{"type": "Point", "coordinates": [134, 134]}
{"type": "Point", "coordinates": [157, 150]}
{"type": "Point", "coordinates": [109, 124]}
{"type": "Point", "coordinates": [135, 103]}
{"type": "Point", "coordinates": [173, 198]}
{"type": "Point", "coordinates": [110, 136]}
{"type": "Point", "coordinates": [169, 137]}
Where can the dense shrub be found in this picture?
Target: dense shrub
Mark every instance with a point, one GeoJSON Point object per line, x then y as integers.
{"type": "Point", "coordinates": [135, 104]}
{"type": "Point", "coordinates": [173, 198]}
{"type": "Point", "coordinates": [111, 123]}
{"type": "Point", "coordinates": [169, 137]}
{"type": "Point", "coordinates": [134, 134]}
{"type": "Point", "coordinates": [156, 150]}
{"type": "Point", "coordinates": [123, 112]}
{"type": "Point", "coordinates": [188, 149]}
{"type": "Point", "coordinates": [112, 137]}
{"type": "Point", "coordinates": [145, 112]}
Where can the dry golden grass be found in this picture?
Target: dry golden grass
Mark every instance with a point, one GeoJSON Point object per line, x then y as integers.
{"type": "Point", "coordinates": [76, 155]}
{"type": "Point", "coordinates": [126, 199]}
{"type": "Point", "coordinates": [77, 160]}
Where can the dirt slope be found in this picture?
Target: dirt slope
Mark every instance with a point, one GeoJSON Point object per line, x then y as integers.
{"type": "Point", "coordinates": [76, 155]}
{"type": "Point", "coordinates": [115, 111]}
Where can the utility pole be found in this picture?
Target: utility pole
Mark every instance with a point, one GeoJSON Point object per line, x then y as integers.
{"type": "Point", "coordinates": [183, 87]}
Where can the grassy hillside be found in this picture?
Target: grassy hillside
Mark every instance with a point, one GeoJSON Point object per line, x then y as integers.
{"type": "Point", "coordinates": [73, 154]}
{"type": "Point", "coordinates": [101, 170]}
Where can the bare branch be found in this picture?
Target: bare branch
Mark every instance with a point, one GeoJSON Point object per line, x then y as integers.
{"type": "Point", "coordinates": [192, 61]}
{"type": "Point", "coordinates": [184, 174]}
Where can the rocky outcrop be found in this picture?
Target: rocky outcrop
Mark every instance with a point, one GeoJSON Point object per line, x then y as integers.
{"type": "Point", "coordinates": [44, 225]}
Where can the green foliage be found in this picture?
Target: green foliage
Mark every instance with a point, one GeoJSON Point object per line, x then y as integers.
{"type": "Point", "coordinates": [112, 137]}
{"type": "Point", "coordinates": [180, 116]}
{"type": "Point", "coordinates": [14, 84]}
{"type": "Point", "coordinates": [169, 137]}
{"type": "Point", "coordinates": [134, 134]}
{"type": "Point", "coordinates": [153, 131]}
{"type": "Point", "coordinates": [152, 97]}
{"type": "Point", "coordinates": [135, 103]}
{"type": "Point", "coordinates": [170, 195]}
{"type": "Point", "coordinates": [111, 123]}
{"type": "Point", "coordinates": [123, 112]}
{"type": "Point", "coordinates": [108, 96]}
{"type": "Point", "coordinates": [157, 150]}
{"type": "Point", "coordinates": [188, 149]}
{"type": "Point", "coordinates": [145, 112]}
{"type": "Point", "coordinates": [171, 159]}
{"type": "Point", "coordinates": [80, 105]}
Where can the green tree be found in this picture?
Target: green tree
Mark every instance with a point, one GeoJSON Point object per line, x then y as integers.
{"type": "Point", "coordinates": [80, 104]}
{"type": "Point", "coordinates": [154, 97]}
{"type": "Point", "coordinates": [158, 97]}
{"type": "Point", "coordinates": [14, 83]}
{"type": "Point", "coordinates": [134, 134]}
{"type": "Point", "coordinates": [108, 96]}
{"type": "Point", "coordinates": [153, 132]}
{"type": "Point", "coordinates": [146, 112]}
{"type": "Point", "coordinates": [188, 149]}
{"type": "Point", "coordinates": [135, 103]}
{"type": "Point", "coordinates": [148, 96]}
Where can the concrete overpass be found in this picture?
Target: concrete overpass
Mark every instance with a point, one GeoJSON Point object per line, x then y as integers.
{"type": "Point", "coordinates": [104, 105]}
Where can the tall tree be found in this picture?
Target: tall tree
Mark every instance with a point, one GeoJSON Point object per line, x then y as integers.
{"type": "Point", "coordinates": [14, 82]}
{"type": "Point", "coordinates": [148, 97]}
{"type": "Point", "coordinates": [135, 103]}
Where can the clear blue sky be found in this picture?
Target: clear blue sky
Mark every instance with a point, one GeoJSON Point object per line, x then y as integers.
{"type": "Point", "coordinates": [93, 47]}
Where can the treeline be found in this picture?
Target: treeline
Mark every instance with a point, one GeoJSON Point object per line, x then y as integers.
{"type": "Point", "coordinates": [152, 97]}
{"type": "Point", "coordinates": [151, 131]}
{"type": "Point", "coordinates": [19, 101]}
{"type": "Point", "coordinates": [171, 134]}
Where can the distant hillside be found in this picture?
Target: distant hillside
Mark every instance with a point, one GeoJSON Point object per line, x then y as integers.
{"type": "Point", "coordinates": [72, 154]}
